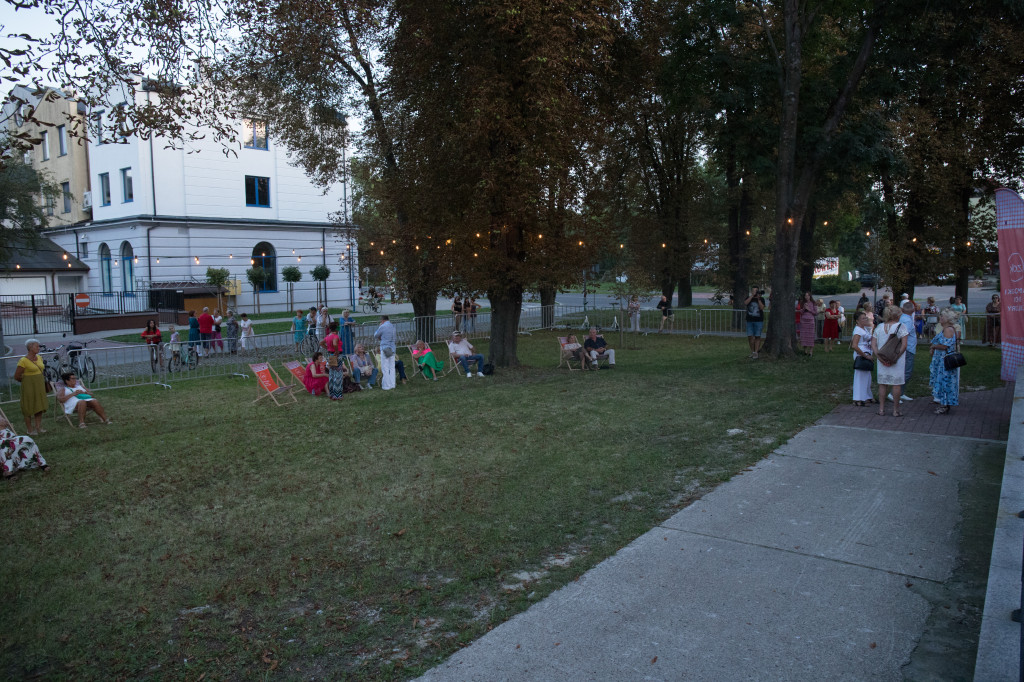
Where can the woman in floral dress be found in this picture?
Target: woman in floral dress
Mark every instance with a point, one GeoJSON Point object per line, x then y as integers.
{"type": "Point", "coordinates": [945, 383]}
{"type": "Point", "coordinates": [17, 453]}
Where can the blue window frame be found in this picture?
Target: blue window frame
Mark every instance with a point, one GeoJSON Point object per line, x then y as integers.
{"type": "Point", "coordinates": [255, 134]}
{"type": "Point", "coordinates": [127, 189]}
{"type": "Point", "coordinates": [257, 191]}
{"type": "Point", "coordinates": [128, 269]}
{"type": "Point", "coordinates": [265, 256]}
{"type": "Point", "coordinates": [106, 271]}
{"type": "Point", "coordinates": [105, 189]}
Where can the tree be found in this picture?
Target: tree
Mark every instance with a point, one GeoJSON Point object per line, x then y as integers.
{"type": "Point", "coordinates": [320, 274]}
{"type": "Point", "coordinates": [257, 277]}
{"type": "Point", "coordinates": [24, 195]}
{"type": "Point", "coordinates": [796, 174]}
{"type": "Point", "coordinates": [291, 275]}
{"type": "Point", "coordinates": [217, 278]}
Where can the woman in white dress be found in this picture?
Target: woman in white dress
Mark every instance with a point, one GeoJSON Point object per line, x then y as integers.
{"type": "Point", "coordinates": [890, 376]}
{"type": "Point", "coordinates": [248, 340]}
{"type": "Point", "coordinates": [861, 345]}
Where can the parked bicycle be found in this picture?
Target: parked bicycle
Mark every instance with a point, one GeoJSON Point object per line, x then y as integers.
{"type": "Point", "coordinates": [53, 367]}
{"type": "Point", "coordinates": [309, 345]}
{"type": "Point", "coordinates": [185, 356]}
{"type": "Point", "coordinates": [79, 361]}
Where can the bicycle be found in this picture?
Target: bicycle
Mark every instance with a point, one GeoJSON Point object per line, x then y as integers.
{"type": "Point", "coordinates": [79, 362]}
{"type": "Point", "coordinates": [186, 357]}
{"type": "Point", "coordinates": [373, 304]}
{"type": "Point", "coordinates": [53, 367]}
{"type": "Point", "coordinates": [155, 352]}
{"type": "Point", "coordinates": [309, 345]}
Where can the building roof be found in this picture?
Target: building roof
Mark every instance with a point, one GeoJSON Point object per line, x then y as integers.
{"type": "Point", "coordinates": [42, 256]}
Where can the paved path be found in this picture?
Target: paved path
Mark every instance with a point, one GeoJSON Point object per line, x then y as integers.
{"type": "Point", "coordinates": [836, 558]}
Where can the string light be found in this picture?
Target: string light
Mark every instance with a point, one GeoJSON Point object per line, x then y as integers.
{"type": "Point", "coordinates": [581, 243]}
{"type": "Point", "coordinates": [748, 233]}
{"type": "Point", "coordinates": [868, 233]}
{"type": "Point", "coordinates": [622, 246]}
{"type": "Point", "coordinates": [115, 263]}
{"type": "Point", "coordinates": [65, 256]}
{"type": "Point", "coordinates": [475, 255]}
{"type": "Point", "coordinates": [663, 246]}
{"type": "Point", "coordinates": [158, 260]}
{"type": "Point", "coordinates": [705, 241]}
{"type": "Point", "coordinates": [18, 266]}
{"type": "Point", "coordinates": [69, 265]}
{"type": "Point", "coordinates": [477, 234]}
{"type": "Point", "coordinates": [539, 236]}
{"type": "Point", "coordinates": [136, 259]}
{"type": "Point", "coordinates": [382, 252]}
{"type": "Point", "coordinates": [826, 223]}
{"type": "Point", "coordinates": [789, 220]}
{"type": "Point", "coordinates": [231, 255]}
{"type": "Point", "coordinates": [393, 241]}
{"type": "Point", "coordinates": [914, 240]}
{"type": "Point", "coordinates": [968, 243]}
{"type": "Point", "coordinates": [417, 248]}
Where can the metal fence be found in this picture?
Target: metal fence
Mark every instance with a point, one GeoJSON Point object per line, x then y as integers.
{"type": "Point", "coordinates": [37, 314]}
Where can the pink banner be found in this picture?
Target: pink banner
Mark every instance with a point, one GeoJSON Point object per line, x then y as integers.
{"type": "Point", "coordinates": [1010, 223]}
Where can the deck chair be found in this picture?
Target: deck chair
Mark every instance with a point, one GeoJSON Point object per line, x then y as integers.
{"type": "Point", "coordinates": [297, 371]}
{"type": "Point", "coordinates": [268, 383]}
{"type": "Point", "coordinates": [416, 364]}
{"type": "Point", "coordinates": [565, 357]}
{"type": "Point", "coordinates": [58, 407]}
{"type": "Point", "coordinates": [452, 365]}
{"type": "Point", "coordinates": [606, 360]}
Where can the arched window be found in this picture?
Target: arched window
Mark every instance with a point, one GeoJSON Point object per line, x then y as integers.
{"type": "Point", "coordinates": [264, 256]}
{"type": "Point", "coordinates": [106, 272]}
{"type": "Point", "coordinates": [127, 268]}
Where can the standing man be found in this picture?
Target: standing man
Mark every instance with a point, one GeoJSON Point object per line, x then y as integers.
{"type": "Point", "coordinates": [388, 339]}
{"type": "Point", "coordinates": [206, 330]}
{"type": "Point", "coordinates": [665, 306]}
{"type": "Point", "coordinates": [755, 320]}
{"type": "Point", "coordinates": [907, 320]}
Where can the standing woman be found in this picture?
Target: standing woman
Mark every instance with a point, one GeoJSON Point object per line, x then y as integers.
{"type": "Point", "coordinates": [861, 344]}
{"type": "Point", "coordinates": [891, 377]}
{"type": "Point", "coordinates": [298, 329]}
{"type": "Point", "coordinates": [457, 311]}
{"type": "Point", "coordinates": [231, 329]}
{"type": "Point", "coordinates": [345, 325]}
{"type": "Point", "coordinates": [218, 338]}
{"type": "Point", "coordinates": [992, 314]}
{"type": "Point", "coordinates": [29, 374]}
{"type": "Point", "coordinates": [335, 368]}
{"type": "Point", "coordinates": [945, 383]}
{"type": "Point", "coordinates": [193, 332]}
{"type": "Point", "coordinates": [830, 330]}
{"type": "Point", "coordinates": [808, 311]}
{"type": "Point", "coordinates": [633, 309]}
{"type": "Point", "coordinates": [248, 340]}
{"type": "Point", "coordinates": [961, 310]}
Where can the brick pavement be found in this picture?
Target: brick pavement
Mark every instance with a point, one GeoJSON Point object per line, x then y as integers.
{"type": "Point", "coordinates": [981, 414]}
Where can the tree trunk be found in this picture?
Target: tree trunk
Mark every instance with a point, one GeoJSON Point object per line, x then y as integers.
{"type": "Point", "coordinates": [739, 259]}
{"type": "Point", "coordinates": [506, 306]}
{"type": "Point", "coordinates": [806, 253]}
{"type": "Point", "coordinates": [685, 290]}
{"type": "Point", "coordinates": [424, 309]}
{"type": "Point", "coordinates": [547, 306]}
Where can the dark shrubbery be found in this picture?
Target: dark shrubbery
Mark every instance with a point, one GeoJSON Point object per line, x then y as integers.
{"type": "Point", "coordinates": [831, 285]}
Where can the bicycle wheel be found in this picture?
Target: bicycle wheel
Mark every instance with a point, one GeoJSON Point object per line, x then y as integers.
{"type": "Point", "coordinates": [191, 358]}
{"type": "Point", "coordinates": [174, 362]}
{"type": "Point", "coordinates": [88, 369]}
{"type": "Point", "coordinates": [367, 308]}
{"type": "Point", "coordinates": [308, 346]}
{"type": "Point", "coordinates": [51, 374]}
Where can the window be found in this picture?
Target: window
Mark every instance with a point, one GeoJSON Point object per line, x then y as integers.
{"type": "Point", "coordinates": [28, 158]}
{"type": "Point", "coordinates": [127, 268]}
{"type": "Point", "coordinates": [97, 127]}
{"type": "Point", "coordinates": [127, 190]}
{"type": "Point", "coordinates": [84, 246]}
{"type": "Point", "coordinates": [65, 189]}
{"type": "Point", "coordinates": [46, 145]}
{"type": "Point", "coordinates": [257, 191]}
{"type": "Point", "coordinates": [50, 203]}
{"type": "Point", "coordinates": [62, 140]}
{"type": "Point", "coordinates": [255, 134]}
{"type": "Point", "coordinates": [106, 276]}
{"type": "Point", "coordinates": [105, 189]}
{"type": "Point", "coordinates": [264, 256]}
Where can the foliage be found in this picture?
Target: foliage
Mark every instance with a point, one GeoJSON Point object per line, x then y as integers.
{"type": "Point", "coordinates": [292, 274]}
{"type": "Point", "coordinates": [24, 194]}
{"type": "Point", "coordinates": [217, 277]}
{"type": "Point", "coordinates": [320, 273]}
{"type": "Point", "coordinates": [830, 285]}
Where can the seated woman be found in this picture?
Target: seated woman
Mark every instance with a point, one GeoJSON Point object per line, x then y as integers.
{"type": "Point", "coordinates": [17, 453]}
{"type": "Point", "coordinates": [424, 357]}
{"type": "Point", "coordinates": [362, 366]}
{"type": "Point", "coordinates": [75, 398]}
{"type": "Point", "coordinates": [315, 380]}
{"type": "Point", "coordinates": [573, 348]}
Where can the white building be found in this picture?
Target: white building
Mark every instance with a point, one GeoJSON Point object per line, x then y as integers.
{"type": "Point", "coordinates": [162, 215]}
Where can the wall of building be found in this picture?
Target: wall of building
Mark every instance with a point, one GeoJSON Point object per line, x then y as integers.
{"type": "Point", "coordinates": [177, 251]}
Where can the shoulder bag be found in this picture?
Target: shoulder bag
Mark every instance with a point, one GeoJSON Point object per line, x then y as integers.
{"type": "Point", "coordinates": [889, 352]}
{"type": "Point", "coordinates": [954, 359]}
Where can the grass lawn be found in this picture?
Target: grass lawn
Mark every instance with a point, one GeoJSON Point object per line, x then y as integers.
{"type": "Point", "coordinates": [203, 536]}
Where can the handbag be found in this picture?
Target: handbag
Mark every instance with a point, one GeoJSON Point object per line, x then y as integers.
{"type": "Point", "coordinates": [889, 353]}
{"type": "Point", "coordinates": [332, 360]}
{"type": "Point", "coordinates": [863, 364]}
{"type": "Point", "coordinates": [954, 359]}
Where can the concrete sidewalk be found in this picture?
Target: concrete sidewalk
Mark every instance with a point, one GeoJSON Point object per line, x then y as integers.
{"type": "Point", "coordinates": [853, 552]}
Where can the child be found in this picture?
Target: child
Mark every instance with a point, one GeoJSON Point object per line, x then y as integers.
{"type": "Point", "coordinates": [175, 344]}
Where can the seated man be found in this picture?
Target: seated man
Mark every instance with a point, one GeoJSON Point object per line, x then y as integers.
{"type": "Point", "coordinates": [462, 352]}
{"type": "Point", "coordinates": [75, 398]}
{"type": "Point", "coordinates": [362, 365]}
{"type": "Point", "coordinates": [598, 349]}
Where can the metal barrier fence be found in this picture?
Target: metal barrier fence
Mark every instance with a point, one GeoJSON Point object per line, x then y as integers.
{"type": "Point", "coordinates": [36, 314]}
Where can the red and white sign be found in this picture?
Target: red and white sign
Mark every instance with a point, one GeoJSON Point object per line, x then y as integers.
{"type": "Point", "coordinates": [823, 267]}
{"type": "Point", "coordinates": [1010, 224]}
{"type": "Point", "coordinates": [82, 300]}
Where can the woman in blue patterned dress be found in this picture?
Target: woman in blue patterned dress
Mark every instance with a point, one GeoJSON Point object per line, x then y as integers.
{"type": "Point", "coordinates": [945, 383]}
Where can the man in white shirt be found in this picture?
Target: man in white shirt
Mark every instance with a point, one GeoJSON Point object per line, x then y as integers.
{"type": "Point", "coordinates": [388, 338]}
{"type": "Point", "coordinates": [462, 352]}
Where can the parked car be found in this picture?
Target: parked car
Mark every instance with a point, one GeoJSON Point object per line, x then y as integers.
{"type": "Point", "coordinates": [868, 279]}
